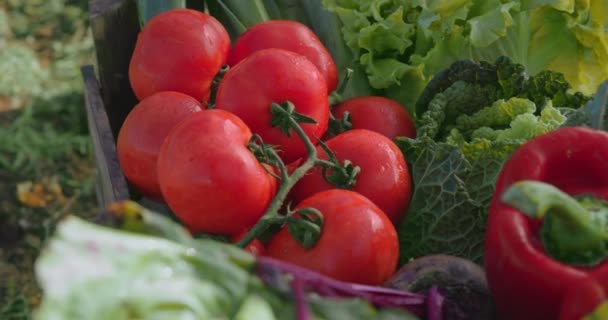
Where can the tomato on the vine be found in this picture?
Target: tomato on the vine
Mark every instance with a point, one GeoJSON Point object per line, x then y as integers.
{"type": "Point", "coordinates": [143, 133]}
{"type": "Point", "coordinates": [357, 244]}
{"type": "Point", "coordinates": [178, 50]}
{"type": "Point", "coordinates": [384, 177]}
{"type": "Point", "coordinates": [209, 178]}
{"type": "Point", "coordinates": [289, 35]}
{"type": "Point", "coordinates": [378, 114]}
{"type": "Point", "coordinates": [276, 76]}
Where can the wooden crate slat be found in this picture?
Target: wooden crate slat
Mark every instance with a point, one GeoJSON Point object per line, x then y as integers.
{"type": "Point", "coordinates": [109, 100]}
{"type": "Point", "coordinates": [115, 27]}
{"type": "Point", "coordinates": [112, 185]}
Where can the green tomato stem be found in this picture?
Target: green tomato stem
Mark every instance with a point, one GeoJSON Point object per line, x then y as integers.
{"type": "Point", "coordinates": [215, 85]}
{"type": "Point", "coordinates": [272, 216]}
{"type": "Point", "coordinates": [336, 96]}
{"type": "Point", "coordinates": [324, 163]}
{"type": "Point", "coordinates": [337, 126]}
{"type": "Point", "coordinates": [573, 232]}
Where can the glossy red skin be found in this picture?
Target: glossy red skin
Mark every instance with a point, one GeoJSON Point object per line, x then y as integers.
{"type": "Point", "coordinates": [276, 75]}
{"type": "Point", "coordinates": [585, 296]}
{"type": "Point", "coordinates": [289, 35]}
{"type": "Point", "coordinates": [358, 243]}
{"type": "Point", "coordinates": [209, 178]}
{"type": "Point", "coordinates": [255, 247]}
{"type": "Point", "coordinates": [378, 114]}
{"type": "Point", "coordinates": [178, 50]}
{"type": "Point", "coordinates": [525, 282]}
{"type": "Point", "coordinates": [384, 177]}
{"type": "Point", "coordinates": [143, 132]}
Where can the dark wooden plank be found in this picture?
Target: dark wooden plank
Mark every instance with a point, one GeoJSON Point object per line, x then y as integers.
{"type": "Point", "coordinates": [196, 4]}
{"type": "Point", "coordinates": [112, 185]}
{"type": "Point", "coordinates": [115, 27]}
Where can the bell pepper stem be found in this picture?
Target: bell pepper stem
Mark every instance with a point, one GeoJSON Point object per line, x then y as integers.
{"type": "Point", "coordinates": [571, 232]}
{"type": "Point", "coordinates": [601, 312]}
{"type": "Point", "coordinates": [534, 199]}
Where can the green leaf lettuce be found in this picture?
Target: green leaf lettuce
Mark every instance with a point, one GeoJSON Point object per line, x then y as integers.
{"type": "Point", "coordinates": [403, 44]}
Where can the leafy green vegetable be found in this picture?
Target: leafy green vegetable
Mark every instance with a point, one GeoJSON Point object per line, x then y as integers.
{"type": "Point", "coordinates": [402, 44]}
{"type": "Point", "coordinates": [147, 9]}
{"type": "Point", "coordinates": [447, 213]}
{"type": "Point", "coordinates": [94, 273]}
{"type": "Point", "coordinates": [151, 269]}
{"type": "Point", "coordinates": [236, 16]}
{"type": "Point", "coordinates": [593, 114]}
{"type": "Point", "coordinates": [472, 116]}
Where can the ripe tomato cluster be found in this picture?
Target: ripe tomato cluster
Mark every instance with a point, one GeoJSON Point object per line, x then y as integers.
{"type": "Point", "coordinates": [190, 143]}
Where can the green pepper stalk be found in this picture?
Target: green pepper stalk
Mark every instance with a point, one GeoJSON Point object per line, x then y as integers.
{"type": "Point", "coordinates": [308, 226]}
{"type": "Point", "coordinates": [215, 84]}
{"type": "Point", "coordinates": [237, 16]}
{"type": "Point", "coordinates": [574, 230]}
{"type": "Point", "coordinates": [601, 312]}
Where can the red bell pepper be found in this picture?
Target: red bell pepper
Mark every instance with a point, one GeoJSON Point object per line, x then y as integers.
{"type": "Point", "coordinates": [528, 282]}
{"type": "Point", "coordinates": [585, 296]}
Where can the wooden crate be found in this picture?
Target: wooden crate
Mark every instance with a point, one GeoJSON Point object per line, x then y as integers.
{"type": "Point", "coordinates": [111, 183]}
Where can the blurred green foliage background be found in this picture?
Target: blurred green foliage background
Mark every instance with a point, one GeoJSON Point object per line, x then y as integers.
{"type": "Point", "coordinates": [46, 163]}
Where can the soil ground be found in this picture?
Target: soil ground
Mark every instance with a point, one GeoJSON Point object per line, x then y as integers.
{"type": "Point", "coordinates": [46, 165]}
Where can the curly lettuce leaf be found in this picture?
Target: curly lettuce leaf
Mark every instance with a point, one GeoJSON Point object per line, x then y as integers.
{"type": "Point", "coordinates": [501, 113]}
{"type": "Point", "coordinates": [517, 114]}
{"type": "Point", "coordinates": [573, 42]}
{"type": "Point", "coordinates": [566, 36]}
{"type": "Point", "coordinates": [503, 79]}
{"type": "Point", "coordinates": [468, 87]}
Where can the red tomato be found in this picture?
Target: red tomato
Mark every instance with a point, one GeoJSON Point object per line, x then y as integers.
{"type": "Point", "coordinates": [379, 114]}
{"type": "Point", "coordinates": [144, 131]}
{"type": "Point", "coordinates": [255, 247]}
{"type": "Point", "coordinates": [209, 178]}
{"type": "Point", "coordinates": [178, 50]}
{"type": "Point", "coordinates": [276, 75]}
{"type": "Point", "coordinates": [289, 35]}
{"type": "Point", "coordinates": [384, 176]}
{"type": "Point", "coordinates": [358, 242]}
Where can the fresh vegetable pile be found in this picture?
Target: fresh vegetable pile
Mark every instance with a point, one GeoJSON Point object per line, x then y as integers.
{"type": "Point", "coordinates": [471, 118]}
{"type": "Point", "coordinates": [402, 44]}
{"type": "Point", "coordinates": [149, 267]}
{"type": "Point", "coordinates": [451, 152]}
